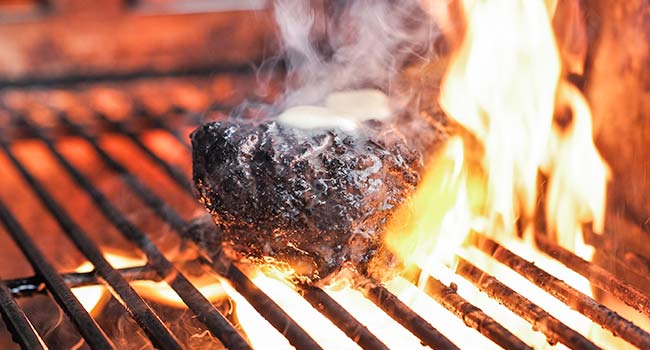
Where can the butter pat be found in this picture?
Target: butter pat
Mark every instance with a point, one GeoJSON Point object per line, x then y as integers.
{"type": "Point", "coordinates": [315, 117]}
{"type": "Point", "coordinates": [342, 109]}
{"type": "Point", "coordinates": [361, 104]}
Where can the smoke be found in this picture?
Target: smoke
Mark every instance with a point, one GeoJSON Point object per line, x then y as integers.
{"type": "Point", "coordinates": [337, 45]}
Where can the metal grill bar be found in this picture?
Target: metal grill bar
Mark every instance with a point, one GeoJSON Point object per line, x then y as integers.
{"type": "Point", "coordinates": [173, 172]}
{"type": "Point", "coordinates": [23, 287]}
{"type": "Point", "coordinates": [634, 263]}
{"type": "Point", "coordinates": [342, 318]}
{"type": "Point", "coordinates": [160, 123]}
{"type": "Point", "coordinates": [536, 316]}
{"type": "Point", "coordinates": [160, 207]}
{"type": "Point", "coordinates": [410, 320]}
{"type": "Point", "coordinates": [134, 304]}
{"type": "Point", "coordinates": [271, 311]}
{"type": "Point", "coordinates": [17, 322]}
{"type": "Point", "coordinates": [596, 275]}
{"type": "Point", "coordinates": [86, 325]}
{"type": "Point", "coordinates": [204, 310]}
{"type": "Point", "coordinates": [159, 267]}
{"type": "Point", "coordinates": [575, 299]}
{"type": "Point", "coordinates": [496, 331]}
{"type": "Point", "coordinates": [473, 316]}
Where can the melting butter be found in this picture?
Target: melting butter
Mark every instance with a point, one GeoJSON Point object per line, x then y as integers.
{"type": "Point", "coordinates": [342, 109]}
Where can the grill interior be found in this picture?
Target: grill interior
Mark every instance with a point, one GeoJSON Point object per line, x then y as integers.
{"type": "Point", "coordinates": [92, 168]}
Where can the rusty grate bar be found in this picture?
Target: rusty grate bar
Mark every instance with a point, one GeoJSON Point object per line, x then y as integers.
{"type": "Point", "coordinates": [472, 315]}
{"type": "Point", "coordinates": [553, 329]}
{"type": "Point", "coordinates": [575, 299]}
{"type": "Point", "coordinates": [21, 329]}
{"type": "Point", "coordinates": [86, 325]}
{"type": "Point", "coordinates": [204, 310]}
{"type": "Point", "coordinates": [261, 302]}
{"type": "Point", "coordinates": [134, 304]}
{"type": "Point", "coordinates": [410, 320]}
{"type": "Point", "coordinates": [600, 277]}
{"type": "Point", "coordinates": [359, 333]}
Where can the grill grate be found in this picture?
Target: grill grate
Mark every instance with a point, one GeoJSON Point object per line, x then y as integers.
{"type": "Point", "coordinates": [24, 123]}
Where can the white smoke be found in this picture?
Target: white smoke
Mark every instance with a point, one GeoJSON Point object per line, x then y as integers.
{"type": "Point", "coordinates": [335, 45]}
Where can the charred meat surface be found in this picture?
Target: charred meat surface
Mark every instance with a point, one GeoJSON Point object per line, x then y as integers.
{"type": "Point", "coordinates": [311, 198]}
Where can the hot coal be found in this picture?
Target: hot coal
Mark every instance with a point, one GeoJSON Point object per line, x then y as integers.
{"type": "Point", "coordinates": [312, 198]}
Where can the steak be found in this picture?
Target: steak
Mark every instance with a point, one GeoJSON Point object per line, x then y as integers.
{"type": "Point", "coordinates": [310, 198]}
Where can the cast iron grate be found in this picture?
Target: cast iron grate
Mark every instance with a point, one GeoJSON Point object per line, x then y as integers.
{"type": "Point", "coordinates": [22, 121]}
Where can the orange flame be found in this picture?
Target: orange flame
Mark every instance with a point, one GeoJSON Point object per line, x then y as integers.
{"type": "Point", "coordinates": [93, 298]}
{"type": "Point", "coordinates": [502, 85]}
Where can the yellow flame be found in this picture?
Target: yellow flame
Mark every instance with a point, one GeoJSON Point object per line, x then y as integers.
{"type": "Point", "coordinates": [578, 175]}
{"type": "Point", "coordinates": [500, 86]}
{"type": "Point", "coordinates": [93, 298]}
{"type": "Point", "coordinates": [437, 216]}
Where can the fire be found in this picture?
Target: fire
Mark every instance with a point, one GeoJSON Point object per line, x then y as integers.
{"type": "Point", "coordinates": [503, 85]}
{"type": "Point", "coordinates": [262, 335]}
{"type": "Point", "coordinates": [439, 205]}
{"type": "Point", "coordinates": [93, 297]}
{"type": "Point", "coordinates": [577, 187]}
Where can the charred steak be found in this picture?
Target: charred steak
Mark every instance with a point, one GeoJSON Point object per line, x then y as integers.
{"type": "Point", "coordinates": [312, 198]}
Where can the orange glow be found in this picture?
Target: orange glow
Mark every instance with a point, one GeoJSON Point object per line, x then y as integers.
{"type": "Point", "coordinates": [578, 176]}
{"type": "Point", "coordinates": [500, 86]}
{"type": "Point", "coordinates": [504, 85]}
{"type": "Point", "coordinates": [262, 335]}
{"type": "Point", "coordinates": [438, 216]}
{"type": "Point", "coordinates": [94, 297]}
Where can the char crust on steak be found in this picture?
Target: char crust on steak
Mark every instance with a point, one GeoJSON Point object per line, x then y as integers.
{"type": "Point", "coordinates": [311, 198]}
